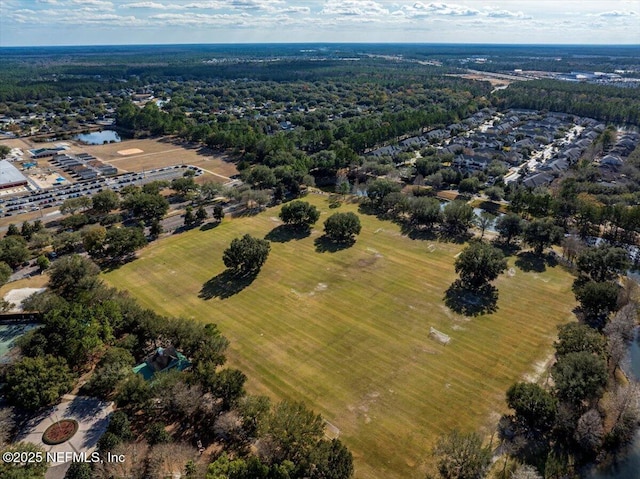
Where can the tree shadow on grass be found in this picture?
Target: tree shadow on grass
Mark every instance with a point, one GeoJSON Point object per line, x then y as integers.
{"type": "Point", "coordinates": [508, 249]}
{"type": "Point", "coordinates": [415, 233]}
{"type": "Point", "coordinates": [529, 261]}
{"type": "Point", "coordinates": [226, 284]}
{"type": "Point", "coordinates": [325, 245]}
{"type": "Point", "coordinates": [367, 208]}
{"type": "Point", "coordinates": [247, 212]}
{"type": "Point", "coordinates": [111, 264]}
{"type": "Point", "coordinates": [471, 302]}
{"type": "Point", "coordinates": [209, 226]}
{"type": "Point", "coordinates": [455, 235]}
{"type": "Point", "coordinates": [285, 233]}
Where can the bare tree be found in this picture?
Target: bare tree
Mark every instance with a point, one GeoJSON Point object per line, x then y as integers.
{"type": "Point", "coordinates": [617, 349]}
{"type": "Point", "coordinates": [571, 248]}
{"type": "Point", "coordinates": [6, 425]}
{"type": "Point", "coordinates": [525, 471]}
{"type": "Point", "coordinates": [623, 323]}
{"type": "Point", "coordinates": [185, 399]}
{"type": "Point", "coordinates": [630, 292]}
{"type": "Point", "coordinates": [590, 431]}
{"type": "Point", "coordinates": [623, 410]}
{"type": "Point", "coordinates": [620, 331]}
{"type": "Point", "coordinates": [170, 460]}
{"type": "Point", "coordinates": [133, 466]}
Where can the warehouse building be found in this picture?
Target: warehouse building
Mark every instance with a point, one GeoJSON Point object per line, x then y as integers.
{"type": "Point", "coordinates": [10, 176]}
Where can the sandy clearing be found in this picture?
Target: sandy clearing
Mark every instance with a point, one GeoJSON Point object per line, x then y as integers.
{"type": "Point", "coordinates": [130, 151]}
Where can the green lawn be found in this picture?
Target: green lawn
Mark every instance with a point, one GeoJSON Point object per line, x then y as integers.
{"type": "Point", "coordinates": [348, 332]}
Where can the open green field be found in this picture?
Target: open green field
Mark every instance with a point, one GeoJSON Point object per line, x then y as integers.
{"type": "Point", "coordinates": [348, 331]}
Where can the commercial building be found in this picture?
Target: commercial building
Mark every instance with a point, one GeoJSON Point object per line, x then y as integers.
{"type": "Point", "coordinates": [10, 176]}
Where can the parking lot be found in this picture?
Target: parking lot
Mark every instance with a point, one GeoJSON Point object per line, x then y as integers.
{"type": "Point", "coordinates": [138, 161]}
{"type": "Point", "coordinates": [38, 200]}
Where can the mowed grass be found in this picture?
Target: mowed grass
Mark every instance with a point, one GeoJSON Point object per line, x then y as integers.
{"type": "Point", "coordinates": [347, 332]}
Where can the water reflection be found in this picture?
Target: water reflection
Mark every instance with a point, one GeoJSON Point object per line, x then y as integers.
{"type": "Point", "coordinates": [98, 137]}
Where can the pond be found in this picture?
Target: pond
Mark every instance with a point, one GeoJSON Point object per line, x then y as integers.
{"type": "Point", "coordinates": [478, 212]}
{"type": "Point", "coordinates": [98, 137]}
{"type": "Point", "coordinates": [492, 226]}
{"type": "Point", "coordinates": [628, 467]}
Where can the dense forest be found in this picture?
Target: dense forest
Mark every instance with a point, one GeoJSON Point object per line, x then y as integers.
{"type": "Point", "coordinates": [605, 103]}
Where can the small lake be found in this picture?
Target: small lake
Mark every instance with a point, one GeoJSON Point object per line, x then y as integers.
{"type": "Point", "coordinates": [98, 137]}
{"type": "Point", "coordinates": [629, 467]}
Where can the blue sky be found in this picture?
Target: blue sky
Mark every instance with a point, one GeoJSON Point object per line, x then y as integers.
{"type": "Point", "coordinates": [95, 22]}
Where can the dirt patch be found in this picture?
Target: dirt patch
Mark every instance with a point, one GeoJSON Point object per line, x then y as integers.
{"type": "Point", "coordinates": [453, 316]}
{"type": "Point", "coordinates": [365, 262]}
{"type": "Point", "coordinates": [130, 151]}
{"type": "Point", "coordinates": [17, 296]}
{"type": "Point", "coordinates": [331, 431]}
{"type": "Point", "coordinates": [539, 368]}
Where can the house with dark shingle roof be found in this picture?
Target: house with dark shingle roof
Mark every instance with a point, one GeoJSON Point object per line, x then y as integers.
{"type": "Point", "coordinates": [539, 179]}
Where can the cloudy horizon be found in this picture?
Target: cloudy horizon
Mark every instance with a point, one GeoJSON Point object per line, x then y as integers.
{"type": "Point", "coordinates": [119, 22]}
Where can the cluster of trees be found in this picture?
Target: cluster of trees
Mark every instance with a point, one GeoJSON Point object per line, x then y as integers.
{"type": "Point", "coordinates": [596, 287]}
{"type": "Point", "coordinates": [606, 103]}
{"type": "Point", "coordinates": [339, 227]}
{"type": "Point", "coordinates": [246, 255]}
{"type": "Point", "coordinates": [574, 422]}
{"type": "Point", "coordinates": [576, 204]}
{"type": "Point", "coordinates": [420, 212]}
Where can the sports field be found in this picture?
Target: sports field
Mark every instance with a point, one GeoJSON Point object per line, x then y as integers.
{"type": "Point", "coordinates": [145, 154]}
{"type": "Point", "coordinates": [348, 331]}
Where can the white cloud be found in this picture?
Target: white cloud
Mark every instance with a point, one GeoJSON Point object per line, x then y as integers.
{"type": "Point", "coordinates": [200, 19]}
{"type": "Point", "coordinates": [618, 13]}
{"type": "Point", "coordinates": [487, 21]}
{"type": "Point", "coordinates": [102, 5]}
{"type": "Point", "coordinates": [258, 5]}
{"type": "Point", "coordinates": [506, 14]}
{"type": "Point", "coordinates": [151, 5]}
{"type": "Point", "coordinates": [294, 9]}
{"type": "Point", "coordinates": [354, 8]}
{"type": "Point", "coordinates": [419, 9]}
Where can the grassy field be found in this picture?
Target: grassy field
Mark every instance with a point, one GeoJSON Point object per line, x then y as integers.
{"type": "Point", "coordinates": [348, 331]}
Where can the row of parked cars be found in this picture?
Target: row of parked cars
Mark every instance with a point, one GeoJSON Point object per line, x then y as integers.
{"type": "Point", "coordinates": [35, 200]}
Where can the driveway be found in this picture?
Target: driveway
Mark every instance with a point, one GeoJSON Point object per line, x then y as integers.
{"type": "Point", "coordinates": [92, 416]}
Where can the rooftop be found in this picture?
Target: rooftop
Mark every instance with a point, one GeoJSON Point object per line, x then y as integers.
{"type": "Point", "coordinates": [9, 174]}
